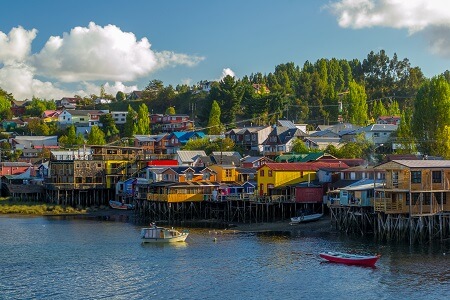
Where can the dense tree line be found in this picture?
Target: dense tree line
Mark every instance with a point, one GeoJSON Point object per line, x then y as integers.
{"type": "Point", "coordinates": [320, 92]}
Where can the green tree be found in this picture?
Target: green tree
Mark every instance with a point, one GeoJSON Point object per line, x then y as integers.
{"type": "Point", "coordinates": [170, 110]}
{"type": "Point", "coordinates": [228, 94]}
{"type": "Point", "coordinates": [96, 136]}
{"type": "Point", "coordinates": [38, 106]}
{"type": "Point", "coordinates": [120, 96]}
{"type": "Point", "coordinates": [299, 147]}
{"type": "Point", "coordinates": [143, 120]}
{"type": "Point", "coordinates": [378, 109]}
{"type": "Point", "coordinates": [404, 136]}
{"type": "Point", "coordinates": [130, 123]}
{"type": "Point", "coordinates": [356, 100]}
{"type": "Point", "coordinates": [431, 113]}
{"type": "Point", "coordinates": [109, 127]}
{"type": "Point", "coordinates": [214, 125]}
{"type": "Point", "coordinates": [443, 142]}
{"type": "Point", "coordinates": [5, 107]}
{"type": "Point", "coordinates": [393, 109]}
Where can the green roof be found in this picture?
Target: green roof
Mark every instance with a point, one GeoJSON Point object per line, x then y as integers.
{"type": "Point", "coordinates": [303, 157]}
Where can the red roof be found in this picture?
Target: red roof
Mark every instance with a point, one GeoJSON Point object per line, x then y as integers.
{"type": "Point", "coordinates": [305, 166]}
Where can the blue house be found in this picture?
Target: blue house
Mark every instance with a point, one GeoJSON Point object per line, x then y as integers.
{"type": "Point", "coordinates": [360, 193]}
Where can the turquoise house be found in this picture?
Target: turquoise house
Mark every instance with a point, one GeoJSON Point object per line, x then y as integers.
{"type": "Point", "coordinates": [360, 193]}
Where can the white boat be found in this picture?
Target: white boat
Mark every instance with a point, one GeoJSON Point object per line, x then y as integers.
{"type": "Point", "coordinates": [305, 218]}
{"type": "Point", "coordinates": [120, 205]}
{"type": "Point", "coordinates": [155, 234]}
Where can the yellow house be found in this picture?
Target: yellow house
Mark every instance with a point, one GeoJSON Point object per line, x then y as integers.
{"type": "Point", "coordinates": [415, 187]}
{"type": "Point", "coordinates": [273, 175]}
{"type": "Point", "coordinates": [225, 173]}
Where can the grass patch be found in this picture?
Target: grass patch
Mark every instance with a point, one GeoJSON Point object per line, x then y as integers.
{"type": "Point", "coordinates": [8, 206]}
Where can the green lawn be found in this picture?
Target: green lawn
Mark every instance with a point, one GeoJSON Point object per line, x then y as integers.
{"type": "Point", "coordinates": [8, 206]}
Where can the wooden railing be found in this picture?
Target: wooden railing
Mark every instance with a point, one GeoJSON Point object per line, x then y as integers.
{"type": "Point", "coordinates": [387, 205]}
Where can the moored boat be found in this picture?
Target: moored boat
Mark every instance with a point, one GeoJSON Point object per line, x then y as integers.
{"type": "Point", "coordinates": [305, 218]}
{"type": "Point", "coordinates": [155, 234]}
{"type": "Point", "coordinates": [350, 259]}
{"type": "Point", "coordinates": [120, 205]}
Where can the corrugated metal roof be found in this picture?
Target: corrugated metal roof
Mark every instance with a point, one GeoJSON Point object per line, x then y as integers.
{"type": "Point", "coordinates": [188, 156]}
{"type": "Point", "coordinates": [424, 163]}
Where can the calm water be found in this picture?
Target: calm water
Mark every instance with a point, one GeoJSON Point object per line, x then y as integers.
{"type": "Point", "coordinates": [51, 258]}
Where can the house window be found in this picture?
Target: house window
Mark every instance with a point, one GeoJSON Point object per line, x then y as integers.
{"type": "Point", "coordinates": [261, 173]}
{"type": "Point", "coordinates": [416, 176]}
{"type": "Point", "coordinates": [189, 176]}
{"type": "Point", "coordinates": [206, 176]}
{"type": "Point", "coordinates": [437, 176]}
{"type": "Point", "coordinates": [228, 173]}
{"type": "Point", "coordinates": [99, 165]}
{"type": "Point", "coordinates": [78, 179]}
{"type": "Point", "coordinates": [269, 173]}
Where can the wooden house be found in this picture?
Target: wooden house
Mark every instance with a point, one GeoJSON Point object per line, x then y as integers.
{"type": "Point", "coordinates": [415, 187]}
{"type": "Point", "coordinates": [360, 193]}
{"type": "Point", "coordinates": [276, 175]}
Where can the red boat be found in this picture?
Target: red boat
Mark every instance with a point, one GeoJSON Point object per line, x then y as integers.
{"type": "Point", "coordinates": [350, 259]}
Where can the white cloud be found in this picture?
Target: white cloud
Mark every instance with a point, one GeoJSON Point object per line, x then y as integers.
{"type": "Point", "coordinates": [226, 72]}
{"type": "Point", "coordinates": [103, 53]}
{"type": "Point", "coordinates": [432, 16]}
{"type": "Point", "coordinates": [85, 55]}
{"type": "Point", "coordinates": [166, 58]}
{"type": "Point", "coordinates": [16, 46]}
{"type": "Point", "coordinates": [91, 88]}
{"type": "Point", "coordinates": [19, 80]}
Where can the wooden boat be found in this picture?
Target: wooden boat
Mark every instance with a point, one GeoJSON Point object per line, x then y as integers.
{"type": "Point", "coordinates": [155, 234]}
{"type": "Point", "coordinates": [350, 259]}
{"type": "Point", "coordinates": [305, 218]}
{"type": "Point", "coordinates": [120, 205]}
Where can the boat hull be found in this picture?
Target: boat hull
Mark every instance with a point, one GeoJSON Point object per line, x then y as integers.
{"type": "Point", "coordinates": [177, 239]}
{"type": "Point", "coordinates": [120, 205]}
{"type": "Point", "coordinates": [350, 259]}
{"type": "Point", "coordinates": [162, 235]}
{"type": "Point", "coordinates": [305, 219]}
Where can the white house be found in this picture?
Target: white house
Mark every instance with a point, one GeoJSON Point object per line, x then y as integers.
{"type": "Point", "coordinates": [119, 117]}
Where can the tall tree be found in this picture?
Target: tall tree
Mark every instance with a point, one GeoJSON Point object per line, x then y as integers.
{"type": "Point", "coordinates": [96, 136]}
{"type": "Point", "coordinates": [356, 101]}
{"type": "Point", "coordinates": [143, 120]}
{"type": "Point", "coordinates": [228, 94]}
{"type": "Point", "coordinates": [109, 127]}
{"type": "Point", "coordinates": [431, 114]}
{"type": "Point", "coordinates": [378, 109]}
{"type": "Point", "coordinates": [5, 107]}
{"type": "Point", "coordinates": [130, 123]}
{"type": "Point", "coordinates": [404, 135]}
{"type": "Point", "coordinates": [214, 125]}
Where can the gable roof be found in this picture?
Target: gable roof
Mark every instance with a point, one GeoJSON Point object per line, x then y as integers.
{"type": "Point", "coordinates": [422, 163]}
{"type": "Point", "coordinates": [189, 156]}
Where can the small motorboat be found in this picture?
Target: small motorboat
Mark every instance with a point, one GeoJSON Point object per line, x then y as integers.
{"type": "Point", "coordinates": [155, 234]}
{"type": "Point", "coordinates": [120, 205]}
{"type": "Point", "coordinates": [350, 259]}
{"type": "Point", "coordinates": [305, 218]}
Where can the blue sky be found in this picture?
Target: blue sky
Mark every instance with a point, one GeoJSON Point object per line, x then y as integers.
{"type": "Point", "coordinates": [52, 49]}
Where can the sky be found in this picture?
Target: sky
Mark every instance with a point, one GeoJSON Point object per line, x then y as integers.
{"type": "Point", "coordinates": [53, 49]}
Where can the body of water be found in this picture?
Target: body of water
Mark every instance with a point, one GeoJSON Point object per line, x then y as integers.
{"type": "Point", "coordinates": [67, 258]}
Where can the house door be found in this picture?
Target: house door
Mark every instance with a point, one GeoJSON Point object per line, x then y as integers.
{"type": "Point", "coordinates": [261, 189]}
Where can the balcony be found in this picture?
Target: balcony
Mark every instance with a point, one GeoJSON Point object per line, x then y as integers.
{"type": "Point", "coordinates": [177, 197]}
{"type": "Point", "coordinates": [388, 206]}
